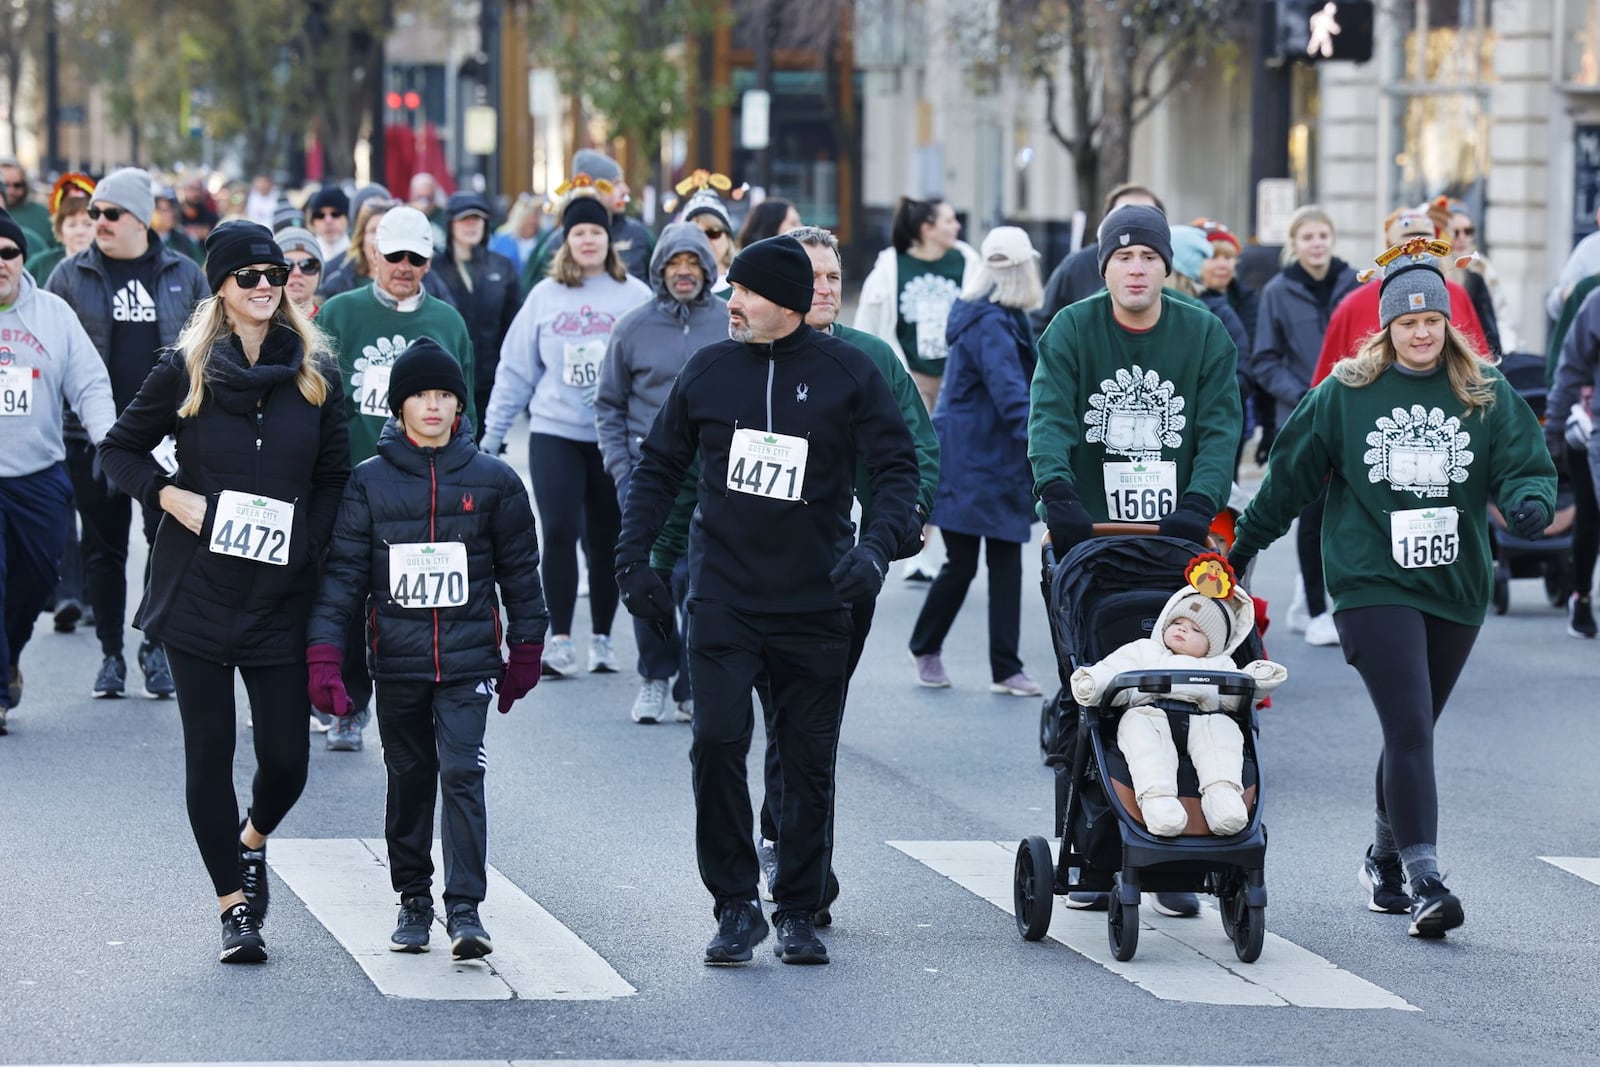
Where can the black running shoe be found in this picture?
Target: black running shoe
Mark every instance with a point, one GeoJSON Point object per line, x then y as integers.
{"type": "Point", "coordinates": [1384, 881]}
{"type": "Point", "coordinates": [157, 672]}
{"type": "Point", "coordinates": [1084, 900]}
{"type": "Point", "coordinates": [1434, 909]}
{"type": "Point", "coordinates": [797, 939]}
{"type": "Point", "coordinates": [412, 927]}
{"type": "Point", "coordinates": [14, 689]}
{"type": "Point", "coordinates": [253, 875]}
{"type": "Point", "coordinates": [740, 928]}
{"type": "Point", "coordinates": [241, 936]}
{"type": "Point", "coordinates": [112, 681]}
{"type": "Point", "coordinates": [468, 939]}
{"type": "Point", "coordinates": [68, 613]}
{"type": "Point", "coordinates": [1177, 905]}
{"type": "Point", "coordinates": [823, 916]}
{"type": "Point", "coordinates": [1580, 617]}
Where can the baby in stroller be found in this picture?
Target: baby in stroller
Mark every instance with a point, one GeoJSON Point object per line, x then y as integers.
{"type": "Point", "coordinates": [1198, 629]}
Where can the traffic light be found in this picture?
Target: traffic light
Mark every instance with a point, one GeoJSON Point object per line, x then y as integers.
{"type": "Point", "coordinates": [1320, 31]}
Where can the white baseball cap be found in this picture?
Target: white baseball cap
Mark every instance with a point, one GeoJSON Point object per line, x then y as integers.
{"type": "Point", "coordinates": [1007, 246]}
{"type": "Point", "coordinates": [405, 229]}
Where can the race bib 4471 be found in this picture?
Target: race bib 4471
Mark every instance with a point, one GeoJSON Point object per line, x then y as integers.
{"type": "Point", "coordinates": [771, 465]}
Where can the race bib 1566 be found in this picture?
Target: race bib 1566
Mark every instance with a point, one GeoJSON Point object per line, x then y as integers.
{"type": "Point", "coordinates": [581, 363]}
{"type": "Point", "coordinates": [255, 528]}
{"type": "Point", "coordinates": [1141, 492]}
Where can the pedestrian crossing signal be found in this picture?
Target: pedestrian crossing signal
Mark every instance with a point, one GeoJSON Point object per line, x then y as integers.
{"type": "Point", "coordinates": [1322, 31]}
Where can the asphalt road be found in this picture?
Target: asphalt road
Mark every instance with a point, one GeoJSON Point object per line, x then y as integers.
{"type": "Point", "coordinates": [108, 935]}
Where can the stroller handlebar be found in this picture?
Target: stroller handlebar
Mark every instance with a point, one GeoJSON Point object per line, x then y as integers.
{"type": "Point", "coordinates": [1047, 547]}
{"type": "Point", "coordinates": [1228, 683]}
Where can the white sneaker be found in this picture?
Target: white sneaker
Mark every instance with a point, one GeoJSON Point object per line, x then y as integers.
{"type": "Point", "coordinates": [1321, 631]}
{"type": "Point", "coordinates": [651, 702]}
{"type": "Point", "coordinates": [1299, 616]}
{"type": "Point", "coordinates": [560, 660]}
{"type": "Point", "coordinates": [685, 712]}
{"type": "Point", "coordinates": [602, 660]}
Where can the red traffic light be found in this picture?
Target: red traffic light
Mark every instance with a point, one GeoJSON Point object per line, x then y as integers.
{"type": "Point", "coordinates": [413, 100]}
{"type": "Point", "coordinates": [392, 100]}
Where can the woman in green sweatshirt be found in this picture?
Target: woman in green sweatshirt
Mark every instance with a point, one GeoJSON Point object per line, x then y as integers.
{"type": "Point", "coordinates": [1412, 437]}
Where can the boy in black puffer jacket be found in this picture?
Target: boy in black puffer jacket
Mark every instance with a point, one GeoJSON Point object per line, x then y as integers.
{"type": "Point", "coordinates": [426, 529]}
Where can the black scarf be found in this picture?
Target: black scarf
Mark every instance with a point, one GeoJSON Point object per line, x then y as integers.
{"type": "Point", "coordinates": [238, 387]}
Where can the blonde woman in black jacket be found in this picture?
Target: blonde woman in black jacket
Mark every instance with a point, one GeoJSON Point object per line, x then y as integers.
{"type": "Point", "coordinates": [255, 404]}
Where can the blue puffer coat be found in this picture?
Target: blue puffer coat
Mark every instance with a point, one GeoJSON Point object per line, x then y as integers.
{"type": "Point", "coordinates": [985, 481]}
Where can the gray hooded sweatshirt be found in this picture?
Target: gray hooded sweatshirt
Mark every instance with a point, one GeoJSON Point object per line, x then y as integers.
{"type": "Point", "coordinates": [650, 345]}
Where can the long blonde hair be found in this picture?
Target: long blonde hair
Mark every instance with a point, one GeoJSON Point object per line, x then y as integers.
{"type": "Point", "coordinates": [1301, 216]}
{"type": "Point", "coordinates": [1017, 286]}
{"type": "Point", "coordinates": [564, 268]}
{"type": "Point", "coordinates": [1472, 386]}
{"type": "Point", "coordinates": [372, 209]}
{"type": "Point", "coordinates": [208, 325]}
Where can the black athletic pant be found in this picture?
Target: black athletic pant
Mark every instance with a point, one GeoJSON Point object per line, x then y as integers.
{"type": "Point", "coordinates": [33, 513]}
{"type": "Point", "coordinates": [861, 613]}
{"type": "Point", "coordinates": [1409, 662]}
{"type": "Point", "coordinates": [433, 741]}
{"type": "Point", "coordinates": [949, 590]}
{"type": "Point", "coordinates": [1585, 520]}
{"type": "Point", "coordinates": [106, 515]}
{"type": "Point", "coordinates": [805, 658]}
{"type": "Point", "coordinates": [575, 497]}
{"type": "Point", "coordinates": [1308, 540]}
{"type": "Point", "coordinates": [206, 706]}
{"type": "Point", "coordinates": [70, 587]}
{"type": "Point", "coordinates": [666, 657]}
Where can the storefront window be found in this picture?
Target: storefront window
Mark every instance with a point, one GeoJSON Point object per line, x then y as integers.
{"type": "Point", "coordinates": [1581, 59]}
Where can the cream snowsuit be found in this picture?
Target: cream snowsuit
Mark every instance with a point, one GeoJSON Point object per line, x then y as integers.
{"type": "Point", "coordinates": [1216, 745]}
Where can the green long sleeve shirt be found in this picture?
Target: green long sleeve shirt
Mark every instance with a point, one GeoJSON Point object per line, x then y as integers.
{"type": "Point", "coordinates": [1103, 394]}
{"type": "Point", "coordinates": [1398, 456]}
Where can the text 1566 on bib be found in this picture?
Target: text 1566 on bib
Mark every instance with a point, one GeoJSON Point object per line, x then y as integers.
{"type": "Point", "coordinates": [580, 364]}
{"type": "Point", "coordinates": [373, 396]}
{"type": "Point", "coordinates": [770, 465]}
{"type": "Point", "coordinates": [1141, 492]}
{"type": "Point", "coordinates": [1424, 537]}
{"type": "Point", "coordinates": [428, 574]}
{"type": "Point", "coordinates": [256, 528]}
{"type": "Point", "coordinates": [16, 391]}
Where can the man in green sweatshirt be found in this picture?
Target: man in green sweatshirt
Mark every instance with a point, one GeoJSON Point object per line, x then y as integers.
{"type": "Point", "coordinates": [1135, 412]}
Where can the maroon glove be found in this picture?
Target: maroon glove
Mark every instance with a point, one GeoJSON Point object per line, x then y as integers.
{"type": "Point", "coordinates": [325, 683]}
{"type": "Point", "coordinates": [520, 674]}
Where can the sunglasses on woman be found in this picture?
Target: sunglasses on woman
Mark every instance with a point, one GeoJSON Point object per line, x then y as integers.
{"type": "Point", "coordinates": [110, 214]}
{"type": "Point", "coordinates": [410, 257]}
{"type": "Point", "coordinates": [250, 277]}
{"type": "Point", "coordinates": [13, 252]}
{"type": "Point", "coordinates": [305, 266]}
{"type": "Point", "coordinates": [714, 234]}
{"type": "Point", "coordinates": [328, 213]}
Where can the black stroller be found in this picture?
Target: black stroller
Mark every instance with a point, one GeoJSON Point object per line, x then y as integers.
{"type": "Point", "coordinates": [1549, 557]}
{"type": "Point", "coordinates": [1107, 592]}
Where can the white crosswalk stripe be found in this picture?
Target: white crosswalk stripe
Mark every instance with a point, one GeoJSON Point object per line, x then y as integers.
{"type": "Point", "coordinates": [344, 883]}
{"type": "Point", "coordinates": [1585, 867]}
{"type": "Point", "coordinates": [1178, 959]}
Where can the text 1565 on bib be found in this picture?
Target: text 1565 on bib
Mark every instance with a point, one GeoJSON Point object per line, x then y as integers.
{"type": "Point", "coordinates": [770, 465]}
{"type": "Point", "coordinates": [1424, 537]}
{"type": "Point", "coordinates": [428, 574]}
{"type": "Point", "coordinates": [256, 528]}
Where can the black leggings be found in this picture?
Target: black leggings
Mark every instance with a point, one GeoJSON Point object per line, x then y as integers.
{"type": "Point", "coordinates": [1308, 540]}
{"type": "Point", "coordinates": [949, 590]}
{"type": "Point", "coordinates": [282, 742]}
{"type": "Point", "coordinates": [1410, 662]}
{"type": "Point", "coordinates": [576, 497]}
{"type": "Point", "coordinates": [1585, 520]}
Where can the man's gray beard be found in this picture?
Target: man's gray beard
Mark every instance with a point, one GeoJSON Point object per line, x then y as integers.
{"type": "Point", "coordinates": [741, 334]}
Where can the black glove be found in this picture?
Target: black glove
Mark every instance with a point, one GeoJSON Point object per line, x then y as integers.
{"type": "Point", "coordinates": [911, 540]}
{"type": "Point", "coordinates": [1528, 520]}
{"type": "Point", "coordinates": [1240, 561]}
{"type": "Point", "coordinates": [1068, 519]}
{"type": "Point", "coordinates": [1190, 520]}
{"type": "Point", "coordinates": [647, 597]}
{"type": "Point", "coordinates": [858, 575]}
{"type": "Point", "coordinates": [1558, 451]}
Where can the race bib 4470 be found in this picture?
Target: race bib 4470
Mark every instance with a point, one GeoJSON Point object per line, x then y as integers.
{"type": "Point", "coordinates": [428, 574]}
{"type": "Point", "coordinates": [256, 528]}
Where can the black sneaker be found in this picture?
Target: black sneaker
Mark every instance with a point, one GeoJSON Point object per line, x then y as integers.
{"type": "Point", "coordinates": [823, 916]}
{"type": "Point", "coordinates": [468, 939]}
{"type": "Point", "coordinates": [740, 928]}
{"type": "Point", "coordinates": [411, 928]}
{"type": "Point", "coordinates": [253, 876]}
{"type": "Point", "coordinates": [241, 936]}
{"type": "Point", "coordinates": [1177, 905]}
{"type": "Point", "coordinates": [157, 672]}
{"type": "Point", "coordinates": [1580, 617]}
{"type": "Point", "coordinates": [1384, 881]}
{"type": "Point", "coordinates": [112, 681]}
{"type": "Point", "coordinates": [68, 614]}
{"type": "Point", "coordinates": [797, 939]}
{"type": "Point", "coordinates": [14, 689]}
{"type": "Point", "coordinates": [1085, 900]}
{"type": "Point", "coordinates": [1434, 909]}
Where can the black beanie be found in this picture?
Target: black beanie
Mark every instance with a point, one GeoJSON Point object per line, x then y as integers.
{"type": "Point", "coordinates": [1135, 224]}
{"type": "Point", "coordinates": [425, 365]}
{"type": "Point", "coordinates": [10, 228]}
{"type": "Point", "coordinates": [328, 196]}
{"type": "Point", "coordinates": [585, 208]}
{"type": "Point", "coordinates": [779, 269]}
{"type": "Point", "coordinates": [239, 243]}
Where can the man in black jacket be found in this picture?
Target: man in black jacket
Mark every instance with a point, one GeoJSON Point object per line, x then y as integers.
{"type": "Point", "coordinates": [779, 415]}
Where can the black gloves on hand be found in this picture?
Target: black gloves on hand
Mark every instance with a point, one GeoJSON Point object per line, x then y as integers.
{"type": "Point", "coordinates": [647, 597]}
{"type": "Point", "coordinates": [1190, 520]}
{"type": "Point", "coordinates": [1068, 519]}
{"type": "Point", "coordinates": [1240, 562]}
{"type": "Point", "coordinates": [1528, 520]}
{"type": "Point", "coordinates": [858, 575]}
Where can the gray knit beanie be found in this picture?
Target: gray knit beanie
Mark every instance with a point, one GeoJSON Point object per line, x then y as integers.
{"type": "Point", "coordinates": [1135, 224]}
{"type": "Point", "coordinates": [597, 165]}
{"type": "Point", "coordinates": [129, 189]}
{"type": "Point", "coordinates": [1412, 283]}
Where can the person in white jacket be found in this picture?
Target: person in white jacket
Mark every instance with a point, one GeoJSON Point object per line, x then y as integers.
{"type": "Point", "coordinates": [906, 301]}
{"type": "Point", "coordinates": [45, 358]}
{"type": "Point", "coordinates": [1197, 630]}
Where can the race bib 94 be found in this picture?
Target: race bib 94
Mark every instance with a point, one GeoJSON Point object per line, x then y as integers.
{"type": "Point", "coordinates": [255, 528]}
{"type": "Point", "coordinates": [16, 392]}
{"type": "Point", "coordinates": [771, 465]}
{"type": "Point", "coordinates": [1424, 537]}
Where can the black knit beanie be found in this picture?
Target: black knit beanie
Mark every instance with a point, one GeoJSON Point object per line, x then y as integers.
{"type": "Point", "coordinates": [585, 208]}
{"type": "Point", "coordinates": [328, 196]}
{"type": "Point", "coordinates": [1135, 224]}
{"type": "Point", "coordinates": [239, 243]}
{"type": "Point", "coordinates": [10, 228]}
{"type": "Point", "coordinates": [425, 365]}
{"type": "Point", "coordinates": [778, 269]}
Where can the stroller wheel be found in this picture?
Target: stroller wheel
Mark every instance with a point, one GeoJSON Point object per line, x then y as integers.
{"type": "Point", "coordinates": [1246, 926]}
{"type": "Point", "coordinates": [1122, 924]}
{"type": "Point", "coordinates": [1558, 582]}
{"type": "Point", "coordinates": [1033, 887]}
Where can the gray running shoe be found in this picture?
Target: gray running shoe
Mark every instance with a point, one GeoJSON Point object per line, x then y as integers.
{"type": "Point", "coordinates": [685, 712]}
{"type": "Point", "coordinates": [767, 856]}
{"type": "Point", "coordinates": [602, 658]}
{"type": "Point", "coordinates": [112, 681]}
{"type": "Point", "coordinates": [345, 734]}
{"type": "Point", "coordinates": [651, 703]}
{"type": "Point", "coordinates": [930, 671]}
{"type": "Point", "coordinates": [157, 672]}
{"type": "Point", "coordinates": [560, 659]}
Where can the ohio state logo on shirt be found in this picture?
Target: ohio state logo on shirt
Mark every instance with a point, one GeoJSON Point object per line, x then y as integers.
{"type": "Point", "coordinates": [1419, 451]}
{"type": "Point", "coordinates": [1135, 414]}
